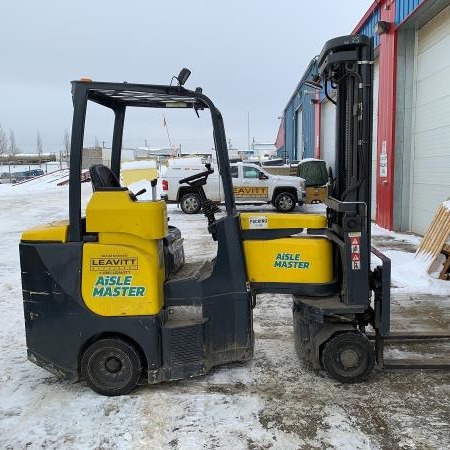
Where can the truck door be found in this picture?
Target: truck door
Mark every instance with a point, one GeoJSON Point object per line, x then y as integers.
{"type": "Point", "coordinates": [251, 185]}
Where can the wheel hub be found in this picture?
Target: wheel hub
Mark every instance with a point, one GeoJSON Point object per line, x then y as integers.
{"type": "Point", "coordinates": [349, 358]}
{"type": "Point", "coordinates": [191, 203]}
{"type": "Point", "coordinates": [113, 364]}
{"type": "Point", "coordinates": [285, 202]}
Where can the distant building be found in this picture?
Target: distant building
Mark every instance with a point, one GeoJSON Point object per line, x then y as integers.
{"type": "Point", "coordinates": [264, 149]}
{"type": "Point", "coordinates": [91, 156]}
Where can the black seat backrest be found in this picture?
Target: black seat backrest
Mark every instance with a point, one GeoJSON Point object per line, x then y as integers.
{"type": "Point", "coordinates": [102, 177]}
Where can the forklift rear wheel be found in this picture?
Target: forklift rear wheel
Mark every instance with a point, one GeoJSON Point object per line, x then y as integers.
{"type": "Point", "coordinates": [348, 357]}
{"type": "Point", "coordinates": [284, 202]}
{"type": "Point", "coordinates": [111, 367]}
{"type": "Point", "coordinates": [190, 203]}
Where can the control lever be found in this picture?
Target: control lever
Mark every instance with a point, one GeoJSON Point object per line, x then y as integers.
{"type": "Point", "coordinates": [135, 196]}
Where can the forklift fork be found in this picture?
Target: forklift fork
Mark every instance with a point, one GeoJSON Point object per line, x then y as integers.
{"type": "Point", "coordinates": [381, 282]}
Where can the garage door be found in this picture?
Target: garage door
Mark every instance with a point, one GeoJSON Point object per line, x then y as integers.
{"type": "Point", "coordinates": [328, 133]}
{"type": "Point", "coordinates": [376, 77]}
{"type": "Point", "coordinates": [431, 135]}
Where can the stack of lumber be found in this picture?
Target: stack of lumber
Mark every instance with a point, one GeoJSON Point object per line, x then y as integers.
{"type": "Point", "coordinates": [434, 241]}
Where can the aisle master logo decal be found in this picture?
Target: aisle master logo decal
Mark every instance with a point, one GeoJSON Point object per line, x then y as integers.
{"type": "Point", "coordinates": [116, 286]}
{"type": "Point", "coordinates": [290, 261]}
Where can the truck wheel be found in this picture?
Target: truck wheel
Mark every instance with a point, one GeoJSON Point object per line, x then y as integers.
{"type": "Point", "coordinates": [284, 202]}
{"type": "Point", "coordinates": [111, 367]}
{"type": "Point", "coordinates": [348, 357]}
{"type": "Point", "coordinates": [190, 203]}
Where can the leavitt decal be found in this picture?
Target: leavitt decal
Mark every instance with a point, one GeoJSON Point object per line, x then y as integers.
{"type": "Point", "coordinates": [250, 192]}
{"type": "Point", "coordinates": [115, 263]}
{"type": "Point", "coordinates": [116, 286]}
{"type": "Point", "coordinates": [290, 261]}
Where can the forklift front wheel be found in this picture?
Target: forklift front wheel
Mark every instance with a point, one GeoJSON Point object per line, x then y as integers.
{"type": "Point", "coordinates": [348, 357]}
{"type": "Point", "coordinates": [111, 367]}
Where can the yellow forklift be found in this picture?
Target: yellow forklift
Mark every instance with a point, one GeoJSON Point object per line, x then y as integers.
{"type": "Point", "coordinates": [109, 298]}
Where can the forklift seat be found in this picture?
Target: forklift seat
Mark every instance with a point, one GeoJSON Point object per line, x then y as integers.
{"type": "Point", "coordinates": [102, 177]}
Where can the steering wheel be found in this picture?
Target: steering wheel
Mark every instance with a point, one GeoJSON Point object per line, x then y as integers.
{"type": "Point", "coordinates": [191, 179]}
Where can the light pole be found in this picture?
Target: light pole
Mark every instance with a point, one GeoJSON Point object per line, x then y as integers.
{"type": "Point", "coordinates": [248, 130]}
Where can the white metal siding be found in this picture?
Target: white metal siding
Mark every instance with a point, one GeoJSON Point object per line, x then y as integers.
{"type": "Point", "coordinates": [328, 133]}
{"type": "Point", "coordinates": [376, 78]}
{"type": "Point", "coordinates": [431, 135]}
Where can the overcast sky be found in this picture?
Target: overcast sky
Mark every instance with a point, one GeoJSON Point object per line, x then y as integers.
{"type": "Point", "coordinates": [247, 55]}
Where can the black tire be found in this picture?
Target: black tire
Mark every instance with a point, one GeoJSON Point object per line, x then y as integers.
{"type": "Point", "coordinates": [111, 367]}
{"type": "Point", "coordinates": [190, 203]}
{"type": "Point", "coordinates": [284, 202]}
{"type": "Point", "coordinates": [348, 357]}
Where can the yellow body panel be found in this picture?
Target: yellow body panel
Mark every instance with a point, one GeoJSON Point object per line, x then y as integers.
{"type": "Point", "coordinates": [115, 212]}
{"type": "Point", "coordinates": [121, 280]}
{"type": "Point", "coordinates": [54, 232]}
{"type": "Point", "coordinates": [123, 273]}
{"type": "Point", "coordinates": [270, 221]}
{"type": "Point", "coordinates": [303, 259]}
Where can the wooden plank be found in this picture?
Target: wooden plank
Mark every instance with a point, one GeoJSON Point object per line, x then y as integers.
{"type": "Point", "coordinates": [428, 238]}
{"type": "Point", "coordinates": [445, 269]}
{"type": "Point", "coordinates": [434, 241]}
{"type": "Point", "coordinates": [430, 235]}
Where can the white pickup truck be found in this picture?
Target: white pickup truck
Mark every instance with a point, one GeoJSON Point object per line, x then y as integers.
{"type": "Point", "coordinates": [251, 185]}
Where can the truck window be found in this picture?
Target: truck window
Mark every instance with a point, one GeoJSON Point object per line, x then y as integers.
{"type": "Point", "coordinates": [234, 171]}
{"type": "Point", "coordinates": [250, 172]}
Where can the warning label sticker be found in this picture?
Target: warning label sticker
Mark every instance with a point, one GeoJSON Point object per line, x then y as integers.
{"type": "Point", "coordinates": [258, 222]}
{"type": "Point", "coordinates": [355, 255]}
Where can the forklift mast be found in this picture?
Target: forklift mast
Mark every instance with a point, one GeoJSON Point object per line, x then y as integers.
{"type": "Point", "coordinates": [345, 66]}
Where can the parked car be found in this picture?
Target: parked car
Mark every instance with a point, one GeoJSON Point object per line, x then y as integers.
{"type": "Point", "coordinates": [251, 183]}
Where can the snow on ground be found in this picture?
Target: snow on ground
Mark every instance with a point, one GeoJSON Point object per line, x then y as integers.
{"type": "Point", "coordinates": [271, 402]}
